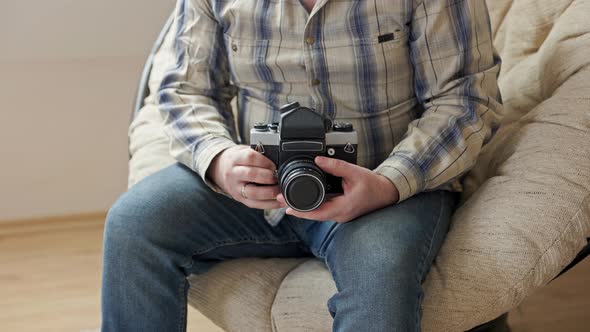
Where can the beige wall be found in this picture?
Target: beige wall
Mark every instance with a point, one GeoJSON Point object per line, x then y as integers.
{"type": "Point", "coordinates": [68, 73]}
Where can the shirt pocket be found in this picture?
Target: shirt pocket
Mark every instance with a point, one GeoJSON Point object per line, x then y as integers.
{"type": "Point", "coordinates": [392, 58]}
{"type": "Point", "coordinates": [247, 60]}
{"type": "Point", "coordinates": [369, 62]}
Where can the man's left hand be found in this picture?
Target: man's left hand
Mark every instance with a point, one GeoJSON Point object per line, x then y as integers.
{"type": "Point", "coordinates": [364, 192]}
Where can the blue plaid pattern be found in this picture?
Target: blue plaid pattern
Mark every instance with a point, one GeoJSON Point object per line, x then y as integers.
{"type": "Point", "coordinates": [418, 80]}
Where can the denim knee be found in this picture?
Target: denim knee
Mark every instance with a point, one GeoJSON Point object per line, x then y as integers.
{"type": "Point", "coordinates": [394, 242]}
{"type": "Point", "coordinates": [126, 228]}
{"type": "Point", "coordinates": [157, 211]}
{"type": "Point", "coordinates": [373, 255]}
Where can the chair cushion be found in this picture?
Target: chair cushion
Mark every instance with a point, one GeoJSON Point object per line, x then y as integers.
{"type": "Point", "coordinates": [526, 206]}
{"type": "Point", "coordinates": [525, 223]}
{"type": "Point", "coordinates": [301, 301]}
{"type": "Point", "coordinates": [148, 143]}
{"type": "Point", "coordinates": [527, 33]}
{"type": "Point", "coordinates": [237, 295]}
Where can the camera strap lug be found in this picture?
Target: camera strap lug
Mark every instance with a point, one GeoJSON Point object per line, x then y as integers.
{"type": "Point", "coordinates": [260, 148]}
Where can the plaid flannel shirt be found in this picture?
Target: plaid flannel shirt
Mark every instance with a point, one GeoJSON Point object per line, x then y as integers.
{"type": "Point", "coordinates": [417, 79]}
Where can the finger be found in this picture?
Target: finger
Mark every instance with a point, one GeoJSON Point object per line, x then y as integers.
{"type": "Point", "coordinates": [262, 205]}
{"type": "Point", "coordinates": [261, 193]}
{"type": "Point", "coordinates": [281, 200]}
{"type": "Point", "coordinates": [249, 157]}
{"type": "Point", "coordinates": [254, 174]}
{"type": "Point", "coordinates": [338, 167]}
{"type": "Point", "coordinates": [329, 210]}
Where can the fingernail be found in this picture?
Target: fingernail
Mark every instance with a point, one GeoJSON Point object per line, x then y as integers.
{"type": "Point", "coordinates": [320, 159]}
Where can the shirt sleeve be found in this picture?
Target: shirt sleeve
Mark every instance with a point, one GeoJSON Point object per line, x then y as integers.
{"type": "Point", "coordinates": [195, 94]}
{"type": "Point", "coordinates": [455, 80]}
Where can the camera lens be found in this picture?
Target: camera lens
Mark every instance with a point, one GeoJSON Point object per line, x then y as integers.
{"type": "Point", "coordinates": [303, 185]}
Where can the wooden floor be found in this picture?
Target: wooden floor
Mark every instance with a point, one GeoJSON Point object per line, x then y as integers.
{"type": "Point", "coordinates": [50, 281]}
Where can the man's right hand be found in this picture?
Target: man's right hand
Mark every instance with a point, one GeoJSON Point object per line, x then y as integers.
{"type": "Point", "coordinates": [241, 166]}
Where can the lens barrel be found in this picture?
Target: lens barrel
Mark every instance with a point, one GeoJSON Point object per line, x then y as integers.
{"type": "Point", "coordinates": [303, 185]}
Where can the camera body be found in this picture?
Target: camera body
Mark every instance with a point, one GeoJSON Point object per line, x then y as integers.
{"type": "Point", "coordinates": [293, 143]}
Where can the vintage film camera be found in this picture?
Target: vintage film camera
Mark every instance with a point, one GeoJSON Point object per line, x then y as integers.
{"type": "Point", "coordinates": [294, 142]}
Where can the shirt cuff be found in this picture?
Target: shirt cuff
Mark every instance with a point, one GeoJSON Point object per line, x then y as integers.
{"type": "Point", "coordinates": [404, 174]}
{"type": "Point", "coordinates": [207, 153]}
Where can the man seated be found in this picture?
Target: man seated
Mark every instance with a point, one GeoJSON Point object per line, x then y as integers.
{"type": "Point", "coordinates": [418, 81]}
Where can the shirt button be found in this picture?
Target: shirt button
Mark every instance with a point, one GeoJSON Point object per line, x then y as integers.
{"type": "Point", "coordinates": [234, 47]}
{"type": "Point", "coordinates": [315, 82]}
{"type": "Point", "coordinates": [309, 40]}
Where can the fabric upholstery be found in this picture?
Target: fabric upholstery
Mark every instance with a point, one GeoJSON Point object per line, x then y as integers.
{"type": "Point", "coordinates": [526, 205]}
{"type": "Point", "coordinates": [148, 144]}
{"type": "Point", "coordinates": [307, 287]}
{"type": "Point", "coordinates": [525, 223]}
{"type": "Point", "coordinates": [531, 36]}
{"type": "Point", "coordinates": [220, 293]}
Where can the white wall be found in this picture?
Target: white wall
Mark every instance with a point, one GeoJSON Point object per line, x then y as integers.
{"type": "Point", "coordinates": [68, 74]}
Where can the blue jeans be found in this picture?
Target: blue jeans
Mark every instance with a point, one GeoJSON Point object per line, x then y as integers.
{"type": "Point", "coordinates": [171, 225]}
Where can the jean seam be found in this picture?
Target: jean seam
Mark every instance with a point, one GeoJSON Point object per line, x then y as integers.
{"type": "Point", "coordinates": [333, 274]}
{"type": "Point", "coordinates": [325, 244]}
{"type": "Point", "coordinates": [424, 257]}
{"type": "Point", "coordinates": [182, 295]}
{"type": "Point", "coordinates": [434, 231]}
{"type": "Point", "coordinates": [218, 245]}
{"type": "Point", "coordinates": [324, 256]}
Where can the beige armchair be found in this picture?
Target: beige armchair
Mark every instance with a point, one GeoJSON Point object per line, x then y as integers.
{"type": "Point", "coordinates": [525, 213]}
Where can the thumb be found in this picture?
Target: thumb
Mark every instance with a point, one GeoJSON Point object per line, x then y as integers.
{"type": "Point", "coordinates": [337, 167]}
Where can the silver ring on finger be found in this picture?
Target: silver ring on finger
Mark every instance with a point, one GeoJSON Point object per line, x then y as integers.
{"type": "Point", "coordinates": [243, 190]}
